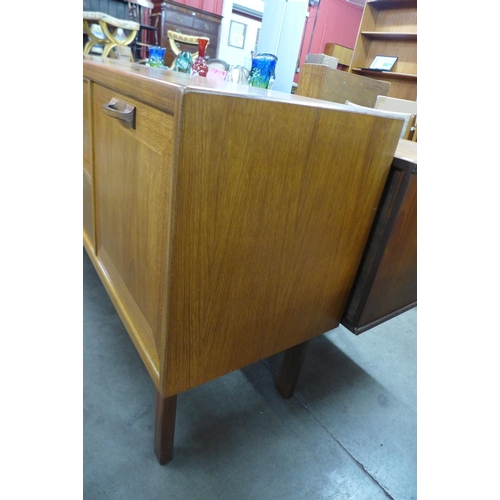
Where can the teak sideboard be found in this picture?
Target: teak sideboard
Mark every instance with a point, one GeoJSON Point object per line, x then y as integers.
{"type": "Point", "coordinates": [226, 222]}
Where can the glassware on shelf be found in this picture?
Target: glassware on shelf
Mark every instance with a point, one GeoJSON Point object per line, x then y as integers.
{"type": "Point", "coordinates": [199, 66]}
{"type": "Point", "coordinates": [262, 73]}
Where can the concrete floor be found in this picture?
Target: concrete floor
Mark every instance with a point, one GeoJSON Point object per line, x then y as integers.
{"type": "Point", "coordinates": [348, 433]}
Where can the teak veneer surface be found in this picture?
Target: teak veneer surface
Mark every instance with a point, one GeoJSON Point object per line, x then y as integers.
{"type": "Point", "coordinates": [231, 221]}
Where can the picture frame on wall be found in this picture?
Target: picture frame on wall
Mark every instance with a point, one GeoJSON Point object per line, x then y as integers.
{"type": "Point", "coordinates": [237, 34]}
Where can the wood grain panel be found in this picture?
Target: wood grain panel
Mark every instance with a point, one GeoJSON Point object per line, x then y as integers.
{"type": "Point", "coordinates": [269, 232]}
{"type": "Point", "coordinates": [132, 186]}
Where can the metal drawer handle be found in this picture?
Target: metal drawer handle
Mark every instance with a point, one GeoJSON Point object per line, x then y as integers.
{"type": "Point", "coordinates": [120, 110]}
{"type": "Point", "coordinates": [206, 26]}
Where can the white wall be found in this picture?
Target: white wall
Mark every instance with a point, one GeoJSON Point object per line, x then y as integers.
{"type": "Point", "coordinates": [232, 55]}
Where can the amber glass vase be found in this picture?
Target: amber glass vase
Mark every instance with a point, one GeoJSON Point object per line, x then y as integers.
{"type": "Point", "coordinates": [199, 66]}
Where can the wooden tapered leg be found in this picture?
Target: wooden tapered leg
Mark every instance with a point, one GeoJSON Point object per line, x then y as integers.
{"type": "Point", "coordinates": [290, 370]}
{"type": "Point", "coordinates": [164, 427]}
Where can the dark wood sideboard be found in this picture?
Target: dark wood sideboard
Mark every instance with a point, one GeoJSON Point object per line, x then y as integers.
{"type": "Point", "coordinates": [386, 282]}
{"type": "Point", "coordinates": [188, 21]}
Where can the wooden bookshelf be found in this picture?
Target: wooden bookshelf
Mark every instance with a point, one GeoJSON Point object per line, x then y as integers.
{"type": "Point", "coordinates": [389, 27]}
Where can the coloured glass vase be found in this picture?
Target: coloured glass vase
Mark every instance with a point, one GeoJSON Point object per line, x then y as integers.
{"type": "Point", "coordinates": [183, 62]}
{"type": "Point", "coordinates": [156, 57]}
{"type": "Point", "coordinates": [262, 73]}
{"type": "Point", "coordinates": [199, 66]}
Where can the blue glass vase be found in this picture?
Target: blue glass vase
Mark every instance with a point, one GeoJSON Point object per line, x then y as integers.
{"type": "Point", "coordinates": [262, 73]}
{"type": "Point", "coordinates": [156, 57]}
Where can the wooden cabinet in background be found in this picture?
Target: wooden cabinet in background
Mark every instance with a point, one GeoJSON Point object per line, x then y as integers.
{"type": "Point", "coordinates": [188, 21]}
{"type": "Point", "coordinates": [389, 28]}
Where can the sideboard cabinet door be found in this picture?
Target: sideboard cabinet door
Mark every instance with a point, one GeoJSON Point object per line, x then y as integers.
{"type": "Point", "coordinates": [132, 190]}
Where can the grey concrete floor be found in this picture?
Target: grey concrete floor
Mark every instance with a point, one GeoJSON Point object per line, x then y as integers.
{"type": "Point", "coordinates": [349, 432]}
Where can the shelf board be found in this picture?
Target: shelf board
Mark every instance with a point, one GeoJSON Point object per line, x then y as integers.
{"type": "Point", "coordinates": [390, 35]}
{"type": "Point", "coordinates": [385, 74]}
{"type": "Point", "coordinates": [392, 4]}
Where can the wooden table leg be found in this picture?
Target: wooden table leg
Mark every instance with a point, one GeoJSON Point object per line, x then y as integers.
{"type": "Point", "coordinates": [290, 370]}
{"type": "Point", "coordinates": [164, 427]}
